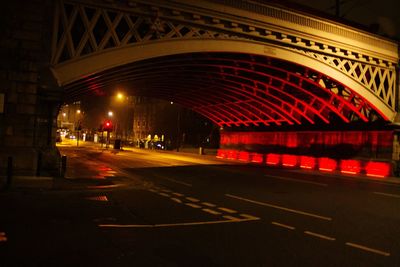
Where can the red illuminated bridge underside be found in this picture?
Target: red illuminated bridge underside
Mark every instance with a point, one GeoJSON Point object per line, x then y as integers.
{"type": "Point", "coordinates": [235, 89]}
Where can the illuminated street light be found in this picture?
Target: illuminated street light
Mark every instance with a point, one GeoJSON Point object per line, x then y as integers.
{"type": "Point", "coordinates": [78, 111]}
{"type": "Point", "coordinates": [120, 96]}
{"type": "Point", "coordinates": [110, 114]}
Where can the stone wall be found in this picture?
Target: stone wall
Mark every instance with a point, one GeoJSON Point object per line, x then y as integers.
{"type": "Point", "coordinates": [31, 96]}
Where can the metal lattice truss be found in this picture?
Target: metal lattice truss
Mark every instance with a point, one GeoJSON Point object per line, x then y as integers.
{"type": "Point", "coordinates": [237, 89]}
{"type": "Point", "coordinates": [380, 80]}
{"type": "Point", "coordinates": [85, 28]}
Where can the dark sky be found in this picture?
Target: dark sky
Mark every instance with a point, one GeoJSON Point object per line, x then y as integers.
{"type": "Point", "coordinates": [386, 13]}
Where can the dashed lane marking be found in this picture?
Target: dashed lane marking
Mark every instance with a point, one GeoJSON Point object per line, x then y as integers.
{"type": "Point", "coordinates": [296, 180]}
{"type": "Point", "coordinates": [103, 186]}
{"type": "Point", "coordinates": [166, 190]}
{"type": "Point", "coordinates": [177, 200]}
{"type": "Point", "coordinates": [283, 225]}
{"type": "Point", "coordinates": [372, 250]}
{"type": "Point", "coordinates": [193, 205]}
{"type": "Point", "coordinates": [387, 194]}
{"type": "Point", "coordinates": [281, 208]}
{"type": "Point", "coordinates": [227, 210]}
{"type": "Point", "coordinates": [211, 211]}
{"type": "Point", "coordinates": [209, 204]}
{"type": "Point", "coordinates": [204, 206]}
{"type": "Point", "coordinates": [193, 199]}
{"type": "Point", "coordinates": [320, 236]}
{"type": "Point", "coordinates": [98, 198]}
{"type": "Point", "coordinates": [178, 182]}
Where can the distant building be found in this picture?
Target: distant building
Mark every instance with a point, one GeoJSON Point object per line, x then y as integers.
{"type": "Point", "coordinates": [70, 116]}
{"type": "Point", "coordinates": [159, 120]}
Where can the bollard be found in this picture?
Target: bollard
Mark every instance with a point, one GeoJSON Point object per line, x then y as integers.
{"type": "Point", "coordinates": [9, 171]}
{"type": "Point", "coordinates": [63, 167]}
{"type": "Point", "coordinates": [39, 163]}
{"type": "Point", "coordinates": [201, 151]}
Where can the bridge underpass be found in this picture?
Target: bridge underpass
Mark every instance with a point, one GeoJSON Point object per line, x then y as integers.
{"type": "Point", "coordinates": [245, 66]}
{"type": "Point", "coordinates": [252, 99]}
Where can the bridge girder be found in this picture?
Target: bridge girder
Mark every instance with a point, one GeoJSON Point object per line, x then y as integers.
{"type": "Point", "coordinates": [82, 49]}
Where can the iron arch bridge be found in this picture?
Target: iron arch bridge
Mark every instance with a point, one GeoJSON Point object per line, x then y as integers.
{"type": "Point", "coordinates": [237, 62]}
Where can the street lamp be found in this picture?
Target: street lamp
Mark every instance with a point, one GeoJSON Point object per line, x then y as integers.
{"type": "Point", "coordinates": [120, 96]}
{"type": "Point", "coordinates": [110, 114]}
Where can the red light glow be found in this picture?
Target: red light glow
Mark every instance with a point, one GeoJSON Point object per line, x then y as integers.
{"type": "Point", "coordinates": [307, 162]}
{"type": "Point", "coordinates": [273, 159]}
{"type": "Point", "coordinates": [257, 158]}
{"type": "Point", "coordinates": [378, 169]}
{"type": "Point", "coordinates": [350, 166]}
{"type": "Point", "coordinates": [232, 154]}
{"type": "Point", "coordinates": [221, 153]}
{"type": "Point", "coordinates": [289, 160]}
{"type": "Point", "coordinates": [327, 164]}
{"type": "Point", "coordinates": [244, 156]}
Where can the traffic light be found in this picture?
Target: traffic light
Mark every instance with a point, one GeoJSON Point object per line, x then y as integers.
{"type": "Point", "coordinates": [107, 126]}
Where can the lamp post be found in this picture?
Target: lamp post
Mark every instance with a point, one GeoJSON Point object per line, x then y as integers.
{"type": "Point", "coordinates": [78, 127]}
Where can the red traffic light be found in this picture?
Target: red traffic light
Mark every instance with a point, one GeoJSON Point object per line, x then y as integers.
{"type": "Point", "coordinates": [107, 126]}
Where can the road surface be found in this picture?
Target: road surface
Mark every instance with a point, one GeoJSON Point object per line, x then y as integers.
{"type": "Point", "coordinates": [149, 208]}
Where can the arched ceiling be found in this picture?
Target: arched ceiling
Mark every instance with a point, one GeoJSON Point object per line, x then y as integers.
{"type": "Point", "coordinates": [235, 89]}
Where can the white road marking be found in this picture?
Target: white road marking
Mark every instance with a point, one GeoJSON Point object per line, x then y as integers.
{"type": "Point", "coordinates": [193, 205]}
{"type": "Point", "coordinates": [227, 210]}
{"type": "Point", "coordinates": [376, 251]}
{"type": "Point", "coordinates": [178, 182]}
{"type": "Point", "coordinates": [296, 180]}
{"type": "Point", "coordinates": [98, 198]}
{"type": "Point", "coordinates": [178, 194]}
{"type": "Point", "coordinates": [193, 199]}
{"type": "Point", "coordinates": [209, 204]}
{"type": "Point", "coordinates": [173, 224]}
{"type": "Point", "coordinates": [281, 208]}
{"type": "Point", "coordinates": [249, 217]}
{"type": "Point", "coordinates": [211, 211]}
{"type": "Point", "coordinates": [103, 186]}
{"type": "Point", "coordinates": [387, 194]}
{"type": "Point", "coordinates": [231, 218]}
{"type": "Point", "coordinates": [152, 190]}
{"type": "Point", "coordinates": [177, 200]}
{"type": "Point", "coordinates": [164, 194]}
{"type": "Point", "coordinates": [320, 236]}
{"type": "Point", "coordinates": [283, 225]}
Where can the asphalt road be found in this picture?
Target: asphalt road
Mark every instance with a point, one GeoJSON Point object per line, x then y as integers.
{"type": "Point", "coordinates": [147, 208]}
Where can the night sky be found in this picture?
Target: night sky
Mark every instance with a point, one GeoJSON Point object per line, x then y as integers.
{"type": "Point", "coordinates": [385, 13]}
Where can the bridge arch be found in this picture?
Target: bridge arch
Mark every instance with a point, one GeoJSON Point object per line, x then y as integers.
{"type": "Point", "coordinates": [77, 72]}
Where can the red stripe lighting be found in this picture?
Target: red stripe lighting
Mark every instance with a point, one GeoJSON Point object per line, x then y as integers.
{"type": "Point", "coordinates": [232, 154]}
{"type": "Point", "coordinates": [289, 160]}
{"type": "Point", "coordinates": [257, 158]}
{"type": "Point", "coordinates": [327, 164]}
{"type": "Point", "coordinates": [273, 159]}
{"type": "Point", "coordinates": [244, 156]}
{"type": "Point", "coordinates": [378, 169]}
{"type": "Point", "coordinates": [221, 153]}
{"type": "Point", "coordinates": [307, 162]}
{"type": "Point", "coordinates": [350, 166]}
